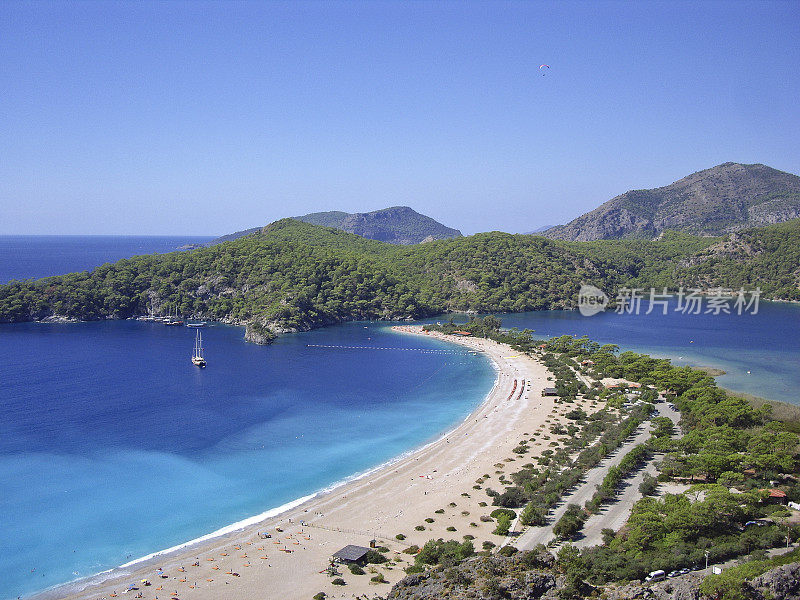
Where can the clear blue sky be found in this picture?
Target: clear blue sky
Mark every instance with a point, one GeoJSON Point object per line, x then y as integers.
{"type": "Point", "coordinates": [206, 118]}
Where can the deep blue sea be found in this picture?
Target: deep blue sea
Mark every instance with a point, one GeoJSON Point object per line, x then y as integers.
{"type": "Point", "coordinates": [113, 446]}
{"type": "Point", "coordinates": [25, 256]}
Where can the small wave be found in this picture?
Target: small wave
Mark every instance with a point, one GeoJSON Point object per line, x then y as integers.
{"type": "Point", "coordinates": [238, 525]}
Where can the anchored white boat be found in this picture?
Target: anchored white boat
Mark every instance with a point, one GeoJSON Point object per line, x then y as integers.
{"type": "Point", "coordinates": [197, 354]}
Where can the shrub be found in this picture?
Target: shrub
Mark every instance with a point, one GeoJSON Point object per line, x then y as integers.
{"type": "Point", "coordinates": [420, 527]}
{"type": "Point", "coordinates": [508, 551]}
{"type": "Point", "coordinates": [503, 511]}
{"type": "Point", "coordinates": [608, 535]}
{"type": "Point", "coordinates": [429, 520]}
{"type": "Point", "coordinates": [375, 558]}
{"type": "Point", "coordinates": [487, 545]}
{"type": "Point", "coordinates": [570, 523]}
{"type": "Point", "coordinates": [400, 537]}
{"type": "Point", "coordinates": [355, 569]}
{"type": "Point", "coordinates": [503, 525]}
{"type": "Point", "coordinates": [533, 514]}
{"type": "Point", "coordinates": [320, 596]}
{"type": "Point", "coordinates": [411, 569]}
{"type": "Point", "coordinates": [451, 528]}
{"type": "Point", "coordinates": [576, 414]}
{"type": "Point", "coordinates": [648, 485]}
{"type": "Point", "coordinates": [338, 581]}
{"type": "Point", "coordinates": [511, 498]}
{"type": "Point", "coordinates": [379, 578]}
{"type": "Point", "coordinates": [445, 553]}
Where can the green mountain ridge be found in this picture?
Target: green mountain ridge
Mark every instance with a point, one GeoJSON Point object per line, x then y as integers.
{"type": "Point", "coordinates": [717, 201]}
{"type": "Point", "coordinates": [395, 225]}
{"type": "Point", "coordinates": [293, 276]}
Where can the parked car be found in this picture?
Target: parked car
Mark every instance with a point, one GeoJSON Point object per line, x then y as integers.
{"type": "Point", "coordinates": [674, 573]}
{"type": "Point", "coordinates": [656, 576]}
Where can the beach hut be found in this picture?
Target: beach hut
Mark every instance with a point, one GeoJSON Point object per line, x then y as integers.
{"type": "Point", "coordinates": [351, 554]}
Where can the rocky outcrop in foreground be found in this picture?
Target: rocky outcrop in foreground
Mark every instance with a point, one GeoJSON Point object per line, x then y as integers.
{"type": "Point", "coordinates": [531, 576]}
{"type": "Point", "coordinates": [525, 576]}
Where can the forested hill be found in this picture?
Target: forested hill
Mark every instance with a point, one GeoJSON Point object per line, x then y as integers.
{"type": "Point", "coordinates": [296, 276]}
{"type": "Point", "coordinates": [396, 225]}
{"type": "Point", "coordinates": [716, 201]}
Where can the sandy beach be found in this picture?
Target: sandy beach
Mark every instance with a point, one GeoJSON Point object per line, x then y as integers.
{"type": "Point", "coordinates": [435, 483]}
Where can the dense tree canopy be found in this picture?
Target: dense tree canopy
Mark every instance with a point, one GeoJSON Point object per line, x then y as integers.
{"type": "Point", "coordinates": [293, 275]}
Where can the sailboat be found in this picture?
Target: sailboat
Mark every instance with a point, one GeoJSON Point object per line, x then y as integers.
{"type": "Point", "coordinates": [171, 321]}
{"type": "Point", "coordinates": [197, 353]}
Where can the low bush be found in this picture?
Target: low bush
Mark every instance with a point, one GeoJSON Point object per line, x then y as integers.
{"type": "Point", "coordinates": [374, 557]}
{"type": "Point", "coordinates": [507, 551]}
{"type": "Point", "coordinates": [355, 569]}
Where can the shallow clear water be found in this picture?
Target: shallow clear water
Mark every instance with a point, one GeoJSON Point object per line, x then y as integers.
{"type": "Point", "coordinates": [113, 445]}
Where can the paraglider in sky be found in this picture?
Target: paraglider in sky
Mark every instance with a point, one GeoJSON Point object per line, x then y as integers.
{"type": "Point", "coordinates": [542, 67]}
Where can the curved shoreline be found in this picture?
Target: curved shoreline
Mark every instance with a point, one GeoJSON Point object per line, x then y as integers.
{"type": "Point", "coordinates": [78, 586]}
{"type": "Point", "coordinates": [331, 518]}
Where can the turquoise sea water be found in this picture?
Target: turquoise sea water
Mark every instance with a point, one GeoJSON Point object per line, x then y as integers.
{"type": "Point", "coordinates": [113, 445]}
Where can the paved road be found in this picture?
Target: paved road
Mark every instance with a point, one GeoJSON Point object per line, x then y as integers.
{"type": "Point", "coordinates": [613, 515]}
{"type": "Point", "coordinates": [581, 494]}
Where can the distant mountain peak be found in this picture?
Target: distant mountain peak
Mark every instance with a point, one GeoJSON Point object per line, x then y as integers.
{"type": "Point", "coordinates": [395, 225]}
{"type": "Point", "coordinates": [715, 201]}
